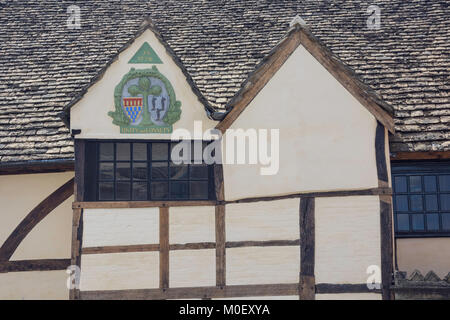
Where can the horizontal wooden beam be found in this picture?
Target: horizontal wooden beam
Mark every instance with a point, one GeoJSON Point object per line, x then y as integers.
{"type": "Point", "coordinates": [258, 290]}
{"type": "Point", "coordinates": [154, 204]}
{"type": "Point", "coordinates": [188, 246]}
{"type": "Point", "coordinates": [121, 249]}
{"type": "Point", "coordinates": [340, 193]}
{"type": "Point", "coordinates": [266, 243]}
{"type": "Point", "coordinates": [30, 167]}
{"type": "Point", "coordinates": [34, 265]}
{"type": "Point", "coordinates": [193, 246]}
{"type": "Point", "coordinates": [427, 155]}
{"type": "Point", "coordinates": [284, 289]}
{"type": "Point", "coordinates": [141, 204]}
{"type": "Point", "coordinates": [344, 288]}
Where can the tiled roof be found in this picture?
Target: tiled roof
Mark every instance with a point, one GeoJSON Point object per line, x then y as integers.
{"type": "Point", "coordinates": [44, 64]}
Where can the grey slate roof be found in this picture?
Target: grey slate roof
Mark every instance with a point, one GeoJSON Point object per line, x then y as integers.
{"type": "Point", "coordinates": [44, 65]}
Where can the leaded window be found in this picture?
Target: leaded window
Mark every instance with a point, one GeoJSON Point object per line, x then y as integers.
{"type": "Point", "coordinates": [143, 171]}
{"type": "Point", "coordinates": [421, 198]}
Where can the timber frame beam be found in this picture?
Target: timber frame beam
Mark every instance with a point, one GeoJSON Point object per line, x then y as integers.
{"type": "Point", "coordinates": [33, 218]}
{"type": "Point", "coordinates": [307, 249]}
{"type": "Point", "coordinates": [386, 214]}
{"type": "Point", "coordinates": [300, 34]}
{"type": "Point", "coordinates": [194, 246]}
{"type": "Point", "coordinates": [306, 288]}
{"type": "Point", "coordinates": [236, 291]}
{"type": "Point", "coordinates": [427, 155]}
{"type": "Point", "coordinates": [34, 265]}
{"type": "Point", "coordinates": [154, 204]}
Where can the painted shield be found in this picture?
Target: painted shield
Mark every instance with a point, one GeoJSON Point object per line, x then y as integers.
{"type": "Point", "coordinates": [133, 108]}
{"type": "Point", "coordinates": [158, 101]}
{"type": "Point", "coordinates": [145, 102]}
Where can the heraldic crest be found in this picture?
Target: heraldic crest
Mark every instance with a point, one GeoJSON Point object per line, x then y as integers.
{"type": "Point", "coordinates": [145, 102]}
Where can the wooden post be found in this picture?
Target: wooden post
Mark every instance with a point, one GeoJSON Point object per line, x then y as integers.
{"type": "Point", "coordinates": [77, 236]}
{"type": "Point", "coordinates": [220, 227]}
{"type": "Point", "coordinates": [386, 246]}
{"type": "Point", "coordinates": [220, 246]}
{"type": "Point", "coordinates": [386, 214]}
{"type": "Point", "coordinates": [163, 247]}
{"type": "Point", "coordinates": [380, 156]}
{"type": "Point", "coordinates": [307, 249]}
{"type": "Point", "coordinates": [77, 219]}
{"type": "Point", "coordinates": [80, 157]}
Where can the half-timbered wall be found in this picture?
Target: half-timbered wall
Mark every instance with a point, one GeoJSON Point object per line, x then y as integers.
{"type": "Point", "coordinates": [49, 240]}
{"type": "Point", "coordinates": [327, 144]}
{"type": "Point", "coordinates": [326, 135]}
{"type": "Point", "coordinates": [311, 230]}
{"type": "Point", "coordinates": [122, 248]}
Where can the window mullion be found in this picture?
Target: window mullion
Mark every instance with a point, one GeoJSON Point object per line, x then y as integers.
{"type": "Point", "coordinates": [131, 170]}
{"type": "Point", "coordinates": [114, 170]}
{"type": "Point", "coordinates": [149, 173]}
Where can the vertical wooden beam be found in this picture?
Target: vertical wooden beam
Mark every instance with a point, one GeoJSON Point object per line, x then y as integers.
{"type": "Point", "coordinates": [77, 219]}
{"type": "Point", "coordinates": [386, 213]}
{"type": "Point", "coordinates": [220, 227]}
{"type": "Point", "coordinates": [220, 246]}
{"type": "Point", "coordinates": [163, 247]}
{"type": "Point", "coordinates": [80, 156]}
{"type": "Point", "coordinates": [386, 246]}
{"type": "Point", "coordinates": [218, 182]}
{"type": "Point", "coordinates": [77, 236]}
{"type": "Point", "coordinates": [380, 155]}
{"type": "Point", "coordinates": [307, 249]}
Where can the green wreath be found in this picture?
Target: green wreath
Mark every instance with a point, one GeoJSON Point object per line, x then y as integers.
{"type": "Point", "coordinates": [145, 88]}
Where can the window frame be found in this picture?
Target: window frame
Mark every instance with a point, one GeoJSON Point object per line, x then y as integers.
{"type": "Point", "coordinates": [92, 171]}
{"type": "Point", "coordinates": [420, 168]}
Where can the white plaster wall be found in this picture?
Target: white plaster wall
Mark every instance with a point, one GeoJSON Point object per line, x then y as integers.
{"type": "Point", "coordinates": [347, 238]}
{"type": "Point", "coordinates": [192, 224]}
{"type": "Point", "coordinates": [109, 227]}
{"type": "Point", "coordinates": [19, 194]}
{"type": "Point", "coordinates": [34, 285]}
{"type": "Point", "coordinates": [266, 220]}
{"type": "Point", "coordinates": [262, 265]}
{"type": "Point", "coordinates": [116, 271]}
{"type": "Point", "coordinates": [192, 268]}
{"type": "Point", "coordinates": [326, 136]}
{"type": "Point", "coordinates": [91, 113]}
{"type": "Point", "coordinates": [424, 254]}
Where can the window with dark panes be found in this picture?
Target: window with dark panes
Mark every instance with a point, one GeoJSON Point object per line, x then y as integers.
{"type": "Point", "coordinates": [421, 198]}
{"type": "Point", "coordinates": [139, 171]}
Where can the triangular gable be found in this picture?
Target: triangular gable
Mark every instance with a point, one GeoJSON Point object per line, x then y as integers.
{"type": "Point", "coordinates": [145, 54]}
{"type": "Point", "coordinates": [300, 34]}
{"type": "Point", "coordinates": [134, 95]}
